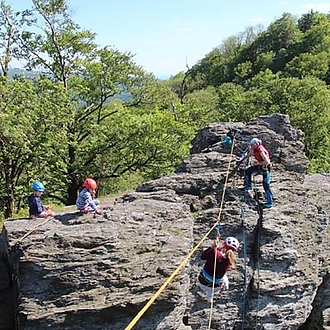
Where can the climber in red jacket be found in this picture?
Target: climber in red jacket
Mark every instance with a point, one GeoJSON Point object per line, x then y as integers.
{"type": "Point", "coordinates": [261, 165]}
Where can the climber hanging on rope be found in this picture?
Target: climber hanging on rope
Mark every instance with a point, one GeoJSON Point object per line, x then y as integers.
{"type": "Point", "coordinates": [225, 260]}
{"type": "Point", "coordinates": [262, 165]}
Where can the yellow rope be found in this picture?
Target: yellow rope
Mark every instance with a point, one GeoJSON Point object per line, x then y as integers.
{"type": "Point", "coordinates": [218, 220]}
{"type": "Point", "coordinates": [183, 263]}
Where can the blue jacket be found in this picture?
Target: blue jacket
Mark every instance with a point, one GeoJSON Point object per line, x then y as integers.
{"type": "Point", "coordinates": [35, 205]}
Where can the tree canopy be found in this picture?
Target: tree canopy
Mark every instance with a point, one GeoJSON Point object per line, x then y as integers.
{"type": "Point", "coordinates": [284, 68]}
{"type": "Point", "coordinates": [93, 111]}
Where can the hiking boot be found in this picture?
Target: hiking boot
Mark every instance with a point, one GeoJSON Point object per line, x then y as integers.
{"type": "Point", "coordinates": [267, 205]}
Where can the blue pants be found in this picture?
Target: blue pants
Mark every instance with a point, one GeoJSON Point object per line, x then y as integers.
{"type": "Point", "coordinates": [266, 176]}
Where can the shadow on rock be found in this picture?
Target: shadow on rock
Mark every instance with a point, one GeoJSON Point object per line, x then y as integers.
{"type": "Point", "coordinates": [65, 218]}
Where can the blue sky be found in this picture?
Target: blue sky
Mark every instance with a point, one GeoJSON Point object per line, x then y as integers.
{"type": "Point", "coordinates": [167, 35]}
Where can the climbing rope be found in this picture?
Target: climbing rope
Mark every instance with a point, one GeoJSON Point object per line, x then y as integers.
{"type": "Point", "coordinates": [257, 251]}
{"type": "Point", "coordinates": [183, 263]}
{"type": "Point", "coordinates": [218, 224]}
{"type": "Point", "coordinates": [245, 264]}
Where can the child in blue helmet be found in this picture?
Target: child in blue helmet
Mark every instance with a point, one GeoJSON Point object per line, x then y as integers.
{"type": "Point", "coordinates": [36, 209]}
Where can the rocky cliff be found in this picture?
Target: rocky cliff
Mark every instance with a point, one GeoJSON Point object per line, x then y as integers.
{"type": "Point", "coordinates": [84, 272]}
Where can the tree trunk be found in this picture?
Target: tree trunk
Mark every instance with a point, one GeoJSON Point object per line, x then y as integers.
{"type": "Point", "coordinates": [72, 190]}
{"type": "Point", "coordinates": [73, 186]}
{"type": "Point", "coordinates": [9, 206]}
{"type": "Point", "coordinates": [9, 189]}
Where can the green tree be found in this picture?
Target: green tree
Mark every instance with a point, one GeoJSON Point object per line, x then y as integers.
{"type": "Point", "coordinates": [31, 122]}
{"type": "Point", "coordinates": [55, 43]}
{"type": "Point", "coordinates": [309, 65]}
{"type": "Point", "coordinates": [306, 101]}
{"type": "Point", "coordinates": [10, 24]}
{"type": "Point", "coordinates": [101, 84]}
{"type": "Point", "coordinates": [202, 107]}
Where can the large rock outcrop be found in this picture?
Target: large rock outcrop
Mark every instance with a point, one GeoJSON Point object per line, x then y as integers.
{"type": "Point", "coordinates": [84, 272]}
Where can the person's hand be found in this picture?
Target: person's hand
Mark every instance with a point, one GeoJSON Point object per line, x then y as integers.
{"type": "Point", "coordinates": [240, 158]}
{"type": "Point", "coordinates": [98, 211]}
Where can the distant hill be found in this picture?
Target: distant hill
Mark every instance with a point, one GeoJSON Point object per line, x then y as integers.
{"type": "Point", "coordinates": [24, 73]}
{"type": "Point", "coordinates": [125, 96]}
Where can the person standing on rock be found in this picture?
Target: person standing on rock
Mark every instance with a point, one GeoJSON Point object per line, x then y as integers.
{"type": "Point", "coordinates": [261, 165]}
{"type": "Point", "coordinates": [225, 260]}
{"type": "Point", "coordinates": [86, 201]}
{"type": "Point", "coordinates": [36, 209]}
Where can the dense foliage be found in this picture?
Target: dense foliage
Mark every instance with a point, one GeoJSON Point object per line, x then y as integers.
{"type": "Point", "coordinates": [285, 69]}
{"type": "Point", "coordinates": [94, 112]}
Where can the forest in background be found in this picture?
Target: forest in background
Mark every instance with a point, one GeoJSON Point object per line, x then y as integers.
{"type": "Point", "coordinates": [92, 111]}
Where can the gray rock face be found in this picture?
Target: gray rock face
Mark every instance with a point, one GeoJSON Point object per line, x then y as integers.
{"type": "Point", "coordinates": [84, 272]}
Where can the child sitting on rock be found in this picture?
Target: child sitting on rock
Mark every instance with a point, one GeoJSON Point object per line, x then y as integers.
{"type": "Point", "coordinates": [86, 201]}
{"type": "Point", "coordinates": [36, 209]}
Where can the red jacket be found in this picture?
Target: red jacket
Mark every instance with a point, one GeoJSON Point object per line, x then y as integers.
{"type": "Point", "coordinates": [222, 264]}
{"type": "Point", "coordinates": [257, 153]}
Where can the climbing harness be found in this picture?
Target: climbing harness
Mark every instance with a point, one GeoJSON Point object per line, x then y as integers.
{"type": "Point", "coordinates": [210, 278]}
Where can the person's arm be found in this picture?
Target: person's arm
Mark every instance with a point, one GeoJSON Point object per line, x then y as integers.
{"type": "Point", "coordinates": [95, 207]}
{"type": "Point", "coordinates": [245, 156]}
{"type": "Point", "coordinates": [33, 208]}
{"type": "Point", "coordinates": [40, 206]}
{"type": "Point", "coordinates": [208, 253]}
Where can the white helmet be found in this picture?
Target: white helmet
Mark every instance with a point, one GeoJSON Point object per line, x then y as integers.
{"type": "Point", "coordinates": [256, 142]}
{"type": "Point", "coordinates": [232, 243]}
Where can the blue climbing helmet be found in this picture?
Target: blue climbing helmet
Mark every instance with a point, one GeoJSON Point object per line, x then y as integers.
{"type": "Point", "coordinates": [38, 186]}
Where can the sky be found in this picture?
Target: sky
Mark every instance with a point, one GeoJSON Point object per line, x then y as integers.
{"type": "Point", "coordinates": [169, 36]}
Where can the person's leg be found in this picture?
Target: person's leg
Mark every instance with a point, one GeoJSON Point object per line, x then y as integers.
{"type": "Point", "coordinates": [247, 177]}
{"type": "Point", "coordinates": [208, 290]}
{"type": "Point", "coordinates": [86, 209]}
{"type": "Point", "coordinates": [224, 283]}
{"type": "Point", "coordinates": [266, 184]}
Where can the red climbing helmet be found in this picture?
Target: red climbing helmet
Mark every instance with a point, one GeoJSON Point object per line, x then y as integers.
{"type": "Point", "coordinates": [89, 184]}
{"type": "Point", "coordinates": [232, 243]}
